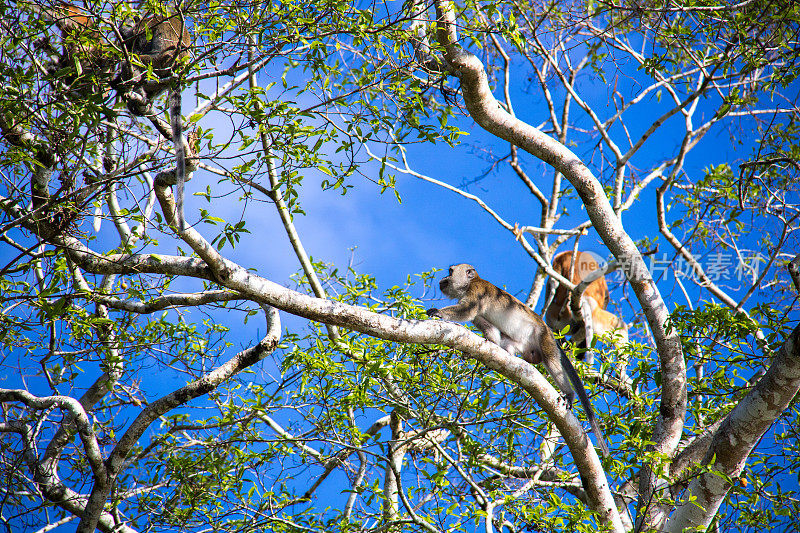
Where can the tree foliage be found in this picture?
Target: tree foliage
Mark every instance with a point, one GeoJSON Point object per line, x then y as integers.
{"type": "Point", "coordinates": [142, 390]}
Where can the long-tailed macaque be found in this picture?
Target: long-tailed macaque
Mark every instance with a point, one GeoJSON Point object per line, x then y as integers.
{"type": "Point", "coordinates": [513, 326]}
{"type": "Point", "coordinates": [155, 44]}
{"type": "Point", "coordinates": [594, 301]}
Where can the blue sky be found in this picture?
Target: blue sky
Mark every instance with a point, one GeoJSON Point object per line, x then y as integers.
{"type": "Point", "coordinates": [432, 227]}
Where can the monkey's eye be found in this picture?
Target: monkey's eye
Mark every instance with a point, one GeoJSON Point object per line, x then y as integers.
{"type": "Point", "coordinates": [451, 271]}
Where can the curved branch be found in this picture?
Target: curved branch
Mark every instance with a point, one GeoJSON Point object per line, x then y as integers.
{"type": "Point", "coordinates": [169, 301]}
{"type": "Point", "coordinates": [78, 416]}
{"type": "Point", "coordinates": [51, 486]}
{"type": "Point", "coordinates": [489, 114]}
{"type": "Point", "coordinates": [393, 485]}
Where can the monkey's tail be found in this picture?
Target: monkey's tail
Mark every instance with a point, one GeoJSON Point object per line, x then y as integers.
{"type": "Point", "coordinates": [180, 156]}
{"type": "Point", "coordinates": [577, 385]}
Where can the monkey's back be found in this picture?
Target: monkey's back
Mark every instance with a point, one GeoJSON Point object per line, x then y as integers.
{"type": "Point", "coordinates": [159, 40]}
{"type": "Point", "coordinates": [512, 317]}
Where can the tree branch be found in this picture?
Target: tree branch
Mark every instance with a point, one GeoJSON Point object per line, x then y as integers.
{"type": "Point", "coordinates": [737, 436]}
{"type": "Point", "coordinates": [488, 113]}
{"type": "Point", "coordinates": [77, 415]}
{"type": "Point", "coordinates": [154, 410]}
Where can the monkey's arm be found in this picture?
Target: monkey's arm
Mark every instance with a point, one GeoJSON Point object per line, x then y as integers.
{"type": "Point", "coordinates": [464, 311]}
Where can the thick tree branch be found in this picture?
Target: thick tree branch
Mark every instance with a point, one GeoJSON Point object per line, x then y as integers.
{"type": "Point", "coordinates": [737, 436]}
{"type": "Point", "coordinates": [51, 486]}
{"type": "Point", "coordinates": [168, 301]}
{"type": "Point", "coordinates": [76, 414]}
{"type": "Point", "coordinates": [487, 112]}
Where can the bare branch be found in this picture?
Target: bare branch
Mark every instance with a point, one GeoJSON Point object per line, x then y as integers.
{"type": "Point", "coordinates": [77, 415]}
{"type": "Point", "coordinates": [154, 410]}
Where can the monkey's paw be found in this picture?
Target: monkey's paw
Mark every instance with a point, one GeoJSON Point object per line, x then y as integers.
{"type": "Point", "coordinates": [433, 312]}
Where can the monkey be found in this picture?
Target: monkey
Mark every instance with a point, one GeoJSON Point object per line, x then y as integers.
{"type": "Point", "coordinates": [155, 44]}
{"type": "Point", "coordinates": [594, 300]}
{"type": "Point", "coordinates": [151, 44]}
{"type": "Point", "coordinates": [83, 62]}
{"type": "Point", "coordinates": [513, 326]}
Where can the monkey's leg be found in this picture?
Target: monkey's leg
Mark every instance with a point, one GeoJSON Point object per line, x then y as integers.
{"type": "Point", "coordinates": [488, 329]}
{"type": "Point", "coordinates": [492, 333]}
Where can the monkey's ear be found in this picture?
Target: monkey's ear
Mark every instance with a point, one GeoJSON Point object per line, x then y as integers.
{"type": "Point", "coordinates": [471, 273]}
{"type": "Point", "coordinates": [433, 312]}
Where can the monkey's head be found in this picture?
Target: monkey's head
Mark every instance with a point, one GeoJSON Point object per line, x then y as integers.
{"type": "Point", "coordinates": [456, 283]}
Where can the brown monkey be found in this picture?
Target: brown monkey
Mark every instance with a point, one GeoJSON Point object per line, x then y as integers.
{"type": "Point", "coordinates": [585, 264]}
{"type": "Point", "coordinates": [594, 301]}
{"type": "Point", "coordinates": [513, 326]}
{"type": "Point", "coordinates": [82, 61]}
{"type": "Point", "coordinates": [156, 43]}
